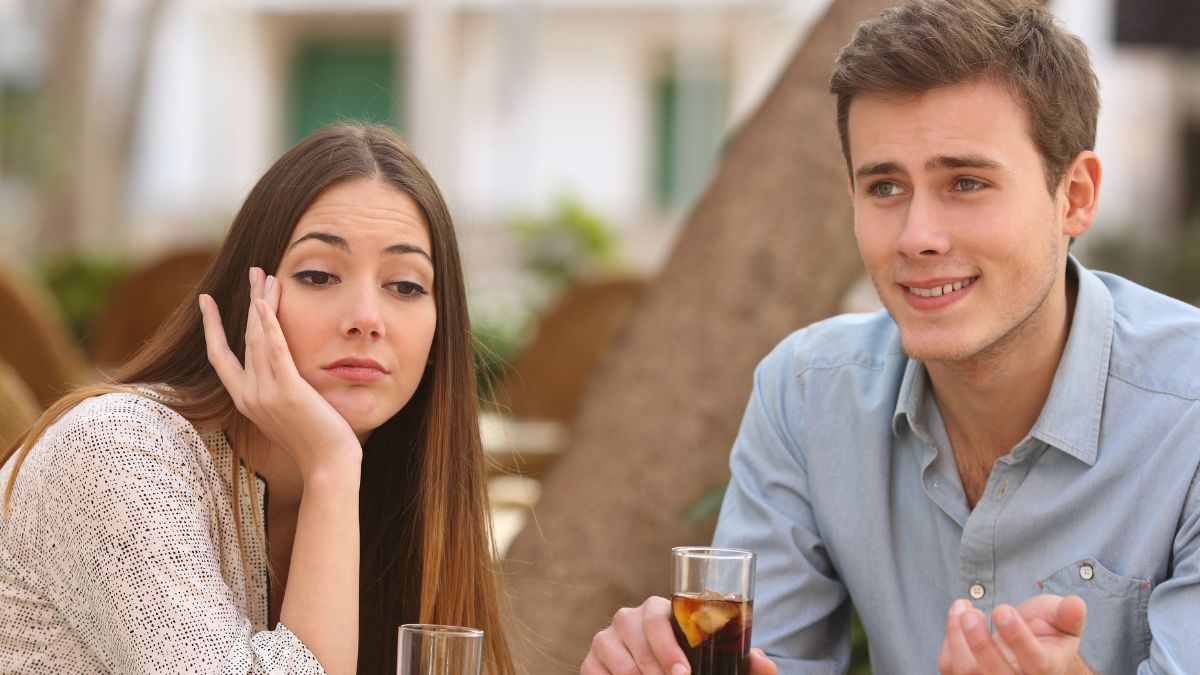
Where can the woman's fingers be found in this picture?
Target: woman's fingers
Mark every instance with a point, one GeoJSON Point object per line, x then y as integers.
{"type": "Point", "coordinates": [274, 342]}
{"type": "Point", "coordinates": [224, 361]}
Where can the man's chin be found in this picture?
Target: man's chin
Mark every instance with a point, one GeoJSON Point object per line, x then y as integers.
{"type": "Point", "coordinates": [933, 350]}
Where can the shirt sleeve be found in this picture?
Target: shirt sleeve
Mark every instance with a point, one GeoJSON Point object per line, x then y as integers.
{"type": "Point", "coordinates": [801, 608]}
{"type": "Point", "coordinates": [125, 543]}
{"type": "Point", "coordinates": [1171, 610]}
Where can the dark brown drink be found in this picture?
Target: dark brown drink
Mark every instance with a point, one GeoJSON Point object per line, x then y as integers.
{"type": "Point", "coordinates": [714, 631]}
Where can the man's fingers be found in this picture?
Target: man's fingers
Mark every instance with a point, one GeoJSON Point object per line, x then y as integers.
{"type": "Point", "coordinates": [1029, 652]}
{"type": "Point", "coordinates": [760, 664]}
{"type": "Point", "coordinates": [960, 658]}
{"type": "Point", "coordinates": [1071, 615]}
{"type": "Point", "coordinates": [592, 666]}
{"type": "Point", "coordinates": [987, 654]}
{"type": "Point", "coordinates": [228, 368]}
{"type": "Point", "coordinates": [629, 627]}
{"type": "Point", "coordinates": [611, 654]}
{"type": "Point", "coordinates": [656, 623]}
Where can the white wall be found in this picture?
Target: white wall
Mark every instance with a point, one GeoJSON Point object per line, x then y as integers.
{"type": "Point", "coordinates": [1138, 132]}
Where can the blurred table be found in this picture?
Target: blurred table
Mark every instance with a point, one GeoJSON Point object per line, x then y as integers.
{"type": "Point", "coordinates": [518, 452]}
{"type": "Point", "coordinates": [520, 446]}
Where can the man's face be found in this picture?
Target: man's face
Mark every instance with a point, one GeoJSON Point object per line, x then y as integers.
{"type": "Point", "coordinates": [961, 239]}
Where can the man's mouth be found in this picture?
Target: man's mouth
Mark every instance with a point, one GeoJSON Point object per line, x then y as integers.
{"type": "Point", "coordinates": [940, 289]}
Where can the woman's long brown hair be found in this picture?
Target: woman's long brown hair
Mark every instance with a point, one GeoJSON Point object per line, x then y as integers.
{"type": "Point", "coordinates": [427, 553]}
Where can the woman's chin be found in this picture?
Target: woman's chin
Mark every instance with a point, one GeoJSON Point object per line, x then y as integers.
{"type": "Point", "coordinates": [362, 411]}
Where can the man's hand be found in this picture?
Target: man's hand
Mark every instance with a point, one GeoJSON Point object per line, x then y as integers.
{"type": "Point", "coordinates": [641, 640]}
{"type": "Point", "coordinates": [1038, 637]}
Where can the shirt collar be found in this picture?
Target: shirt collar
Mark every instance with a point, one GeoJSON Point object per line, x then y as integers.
{"type": "Point", "coordinates": [1070, 420]}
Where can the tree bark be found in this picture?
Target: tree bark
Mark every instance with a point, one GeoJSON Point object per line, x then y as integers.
{"type": "Point", "coordinates": [769, 248]}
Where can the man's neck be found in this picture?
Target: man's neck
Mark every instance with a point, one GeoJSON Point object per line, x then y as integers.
{"type": "Point", "coordinates": [991, 402]}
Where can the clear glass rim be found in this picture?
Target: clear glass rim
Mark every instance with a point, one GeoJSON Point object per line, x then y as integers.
{"type": "Point", "coordinates": [710, 552]}
{"type": "Point", "coordinates": [440, 629]}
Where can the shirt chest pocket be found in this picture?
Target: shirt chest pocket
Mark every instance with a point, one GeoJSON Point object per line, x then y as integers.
{"type": "Point", "coordinates": [1117, 635]}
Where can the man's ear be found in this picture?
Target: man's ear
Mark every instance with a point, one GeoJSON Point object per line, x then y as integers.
{"type": "Point", "coordinates": [1081, 189]}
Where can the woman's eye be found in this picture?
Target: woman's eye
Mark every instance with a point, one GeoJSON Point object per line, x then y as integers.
{"type": "Point", "coordinates": [886, 189]}
{"type": "Point", "coordinates": [315, 278]}
{"type": "Point", "coordinates": [408, 288]}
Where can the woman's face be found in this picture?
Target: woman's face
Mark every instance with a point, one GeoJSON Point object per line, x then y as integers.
{"type": "Point", "coordinates": [357, 305]}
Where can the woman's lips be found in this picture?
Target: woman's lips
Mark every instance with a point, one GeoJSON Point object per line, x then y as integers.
{"type": "Point", "coordinates": [357, 370]}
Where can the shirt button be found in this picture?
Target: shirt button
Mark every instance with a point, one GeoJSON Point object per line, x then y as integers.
{"type": "Point", "coordinates": [1086, 572]}
{"type": "Point", "coordinates": [976, 591]}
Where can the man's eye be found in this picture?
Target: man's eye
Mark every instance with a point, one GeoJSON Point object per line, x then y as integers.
{"type": "Point", "coordinates": [409, 288]}
{"type": "Point", "coordinates": [886, 189]}
{"type": "Point", "coordinates": [315, 278]}
{"type": "Point", "coordinates": [968, 185]}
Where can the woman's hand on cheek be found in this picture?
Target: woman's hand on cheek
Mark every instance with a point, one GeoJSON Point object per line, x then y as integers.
{"type": "Point", "coordinates": [270, 392]}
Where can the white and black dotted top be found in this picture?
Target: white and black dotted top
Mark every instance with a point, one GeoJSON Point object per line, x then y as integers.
{"type": "Point", "coordinates": [120, 552]}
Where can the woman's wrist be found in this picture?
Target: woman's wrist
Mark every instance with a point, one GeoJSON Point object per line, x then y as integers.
{"type": "Point", "coordinates": [335, 475]}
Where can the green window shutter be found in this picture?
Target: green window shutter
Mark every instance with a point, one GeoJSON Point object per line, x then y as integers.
{"type": "Point", "coordinates": [336, 81]}
{"type": "Point", "coordinates": [689, 124]}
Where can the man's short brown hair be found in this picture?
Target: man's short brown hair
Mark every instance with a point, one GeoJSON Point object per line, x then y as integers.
{"type": "Point", "coordinates": [925, 44]}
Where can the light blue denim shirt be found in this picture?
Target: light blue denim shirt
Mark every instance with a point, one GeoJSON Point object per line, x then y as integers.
{"type": "Point", "coordinates": [845, 484]}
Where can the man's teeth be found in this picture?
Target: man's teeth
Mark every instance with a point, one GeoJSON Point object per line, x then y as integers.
{"type": "Point", "coordinates": [940, 290]}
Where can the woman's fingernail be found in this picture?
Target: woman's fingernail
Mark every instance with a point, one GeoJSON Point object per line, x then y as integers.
{"type": "Point", "coordinates": [1002, 616]}
{"type": "Point", "coordinates": [680, 669]}
{"type": "Point", "coordinates": [958, 607]}
{"type": "Point", "coordinates": [969, 622]}
{"type": "Point", "coordinates": [270, 283]}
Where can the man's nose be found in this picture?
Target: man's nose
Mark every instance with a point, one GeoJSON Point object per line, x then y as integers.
{"type": "Point", "coordinates": [924, 232]}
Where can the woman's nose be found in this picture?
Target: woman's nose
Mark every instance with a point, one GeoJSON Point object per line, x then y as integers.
{"type": "Point", "coordinates": [362, 317]}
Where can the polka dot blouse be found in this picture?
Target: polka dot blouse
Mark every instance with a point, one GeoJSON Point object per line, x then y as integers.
{"type": "Point", "coordinates": [120, 553]}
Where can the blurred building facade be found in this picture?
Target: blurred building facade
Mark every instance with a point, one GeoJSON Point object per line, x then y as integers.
{"type": "Point", "coordinates": [619, 104]}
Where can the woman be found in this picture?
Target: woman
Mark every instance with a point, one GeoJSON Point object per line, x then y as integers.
{"type": "Point", "coordinates": [277, 481]}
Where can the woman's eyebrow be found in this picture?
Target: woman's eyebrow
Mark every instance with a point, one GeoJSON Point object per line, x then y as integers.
{"type": "Point", "coordinates": [400, 249]}
{"type": "Point", "coordinates": [331, 239]}
{"type": "Point", "coordinates": [343, 245]}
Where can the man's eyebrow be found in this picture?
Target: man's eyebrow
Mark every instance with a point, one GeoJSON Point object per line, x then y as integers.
{"type": "Point", "coordinates": [343, 245]}
{"type": "Point", "coordinates": [880, 169]}
{"type": "Point", "coordinates": [933, 164]}
{"type": "Point", "coordinates": [963, 162]}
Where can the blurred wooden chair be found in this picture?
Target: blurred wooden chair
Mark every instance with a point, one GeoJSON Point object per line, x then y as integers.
{"type": "Point", "coordinates": [19, 408]}
{"type": "Point", "coordinates": [35, 340]}
{"type": "Point", "coordinates": [140, 304]}
{"type": "Point", "coordinates": [548, 378]}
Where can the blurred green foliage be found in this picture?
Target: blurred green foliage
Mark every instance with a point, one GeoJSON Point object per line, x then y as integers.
{"type": "Point", "coordinates": [555, 251]}
{"type": "Point", "coordinates": [81, 284]}
{"type": "Point", "coordinates": [496, 343]}
{"type": "Point", "coordinates": [569, 243]}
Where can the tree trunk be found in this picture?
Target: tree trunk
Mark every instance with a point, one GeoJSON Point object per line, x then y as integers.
{"type": "Point", "coordinates": [769, 248]}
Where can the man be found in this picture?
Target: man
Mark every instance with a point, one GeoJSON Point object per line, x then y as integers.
{"type": "Point", "coordinates": [1000, 472]}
